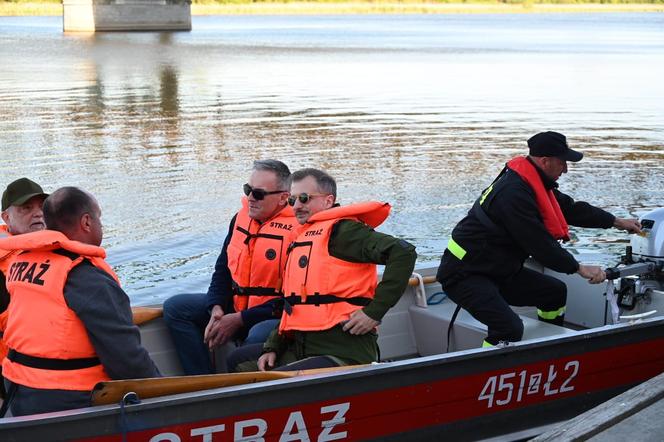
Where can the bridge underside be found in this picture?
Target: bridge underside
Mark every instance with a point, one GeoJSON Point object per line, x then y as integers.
{"type": "Point", "coordinates": [126, 15]}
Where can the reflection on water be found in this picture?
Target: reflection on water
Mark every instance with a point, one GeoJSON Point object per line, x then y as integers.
{"type": "Point", "coordinates": [420, 111]}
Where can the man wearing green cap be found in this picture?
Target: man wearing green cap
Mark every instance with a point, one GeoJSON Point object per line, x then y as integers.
{"type": "Point", "coordinates": [22, 213]}
{"type": "Point", "coordinates": [22, 207]}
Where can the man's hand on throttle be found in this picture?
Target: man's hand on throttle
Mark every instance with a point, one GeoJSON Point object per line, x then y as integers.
{"type": "Point", "coordinates": [594, 274]}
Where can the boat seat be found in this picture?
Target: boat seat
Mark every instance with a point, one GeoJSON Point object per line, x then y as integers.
{"type": "Point", "coordinates": [430, 325]}
{"type": "Point", "coordinates": [157, 340]}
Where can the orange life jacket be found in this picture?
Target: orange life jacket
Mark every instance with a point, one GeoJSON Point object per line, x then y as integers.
{"type": "Point", "coordinates": [554, 220]}
{"type": "Point", "coordinates": [257, 256]}
{"type": "Point", "coordinates": [49, 345]}
{"type": "Point", "coordinates": [5, 256]}
{"type": "Point", "coordinates": [320, 291]}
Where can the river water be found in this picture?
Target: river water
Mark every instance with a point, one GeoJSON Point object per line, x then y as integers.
{"type": "Point", "coordinates": [420, 111]}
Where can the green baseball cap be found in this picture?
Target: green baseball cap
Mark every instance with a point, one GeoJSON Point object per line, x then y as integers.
{"type": "Point", "coordinates": [20, 191]}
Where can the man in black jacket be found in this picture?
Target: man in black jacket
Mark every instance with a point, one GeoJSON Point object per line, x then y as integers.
{"type": "Point", "coordinates": [521, 214]}
{"type": "Point", "coordinates": [199, 322]}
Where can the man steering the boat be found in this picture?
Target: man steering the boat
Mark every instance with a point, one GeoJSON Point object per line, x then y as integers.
{"type": "Point", "coordinates": [243, 300]}
{"type": "Point", "coordinates": [22, 213]}
{"type": "Point", "coordinates": [69, 321]}
{"type": "Point", "coordinates": [332, 300]}
{"type": "Point", "coordinates": [521, 214]}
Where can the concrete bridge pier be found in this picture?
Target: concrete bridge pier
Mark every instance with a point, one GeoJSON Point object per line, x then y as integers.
{"type": "Point", "coordinates": [126, 15]}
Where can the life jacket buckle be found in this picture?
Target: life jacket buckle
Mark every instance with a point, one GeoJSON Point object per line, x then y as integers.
{"type": "Point", "coordinates": [288, 308]}
{"type": "Point", "coordinates": [303, 296]}
{"type": "Point", "coordinates": [248, 239]}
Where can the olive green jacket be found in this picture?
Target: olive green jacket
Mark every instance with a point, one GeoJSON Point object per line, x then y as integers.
{"type": "Point", "coordinates": [356, 242]}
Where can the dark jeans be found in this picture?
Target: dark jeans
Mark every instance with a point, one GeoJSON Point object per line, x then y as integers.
{"type": "Point", "coordinates": [28, 400]}
{"type": "Point", "coordinates": [489, 301]}
{"type": "Point", "coordinates": [186, 316]}
{"type": "Point", "coordinates": [258, 333]}
{"type": "Point", "coordinates": [245, 359]}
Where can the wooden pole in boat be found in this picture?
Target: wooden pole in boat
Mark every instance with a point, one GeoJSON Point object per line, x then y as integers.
{"type": "Point", "coordinates": [425, 279]}
{"type": "Point", "coordinates": [111, 392]}
{"type": "Point", "coordinates": [145, 314]}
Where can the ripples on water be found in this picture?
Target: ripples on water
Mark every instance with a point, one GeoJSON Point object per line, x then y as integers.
{"type": "Point", "coordinates": [420, 111]}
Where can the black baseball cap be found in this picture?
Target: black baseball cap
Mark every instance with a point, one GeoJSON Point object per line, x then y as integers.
{"type": "Point", "coordinates": [552, 144]}
{"type": "Point", "coordinates": [20, 191]}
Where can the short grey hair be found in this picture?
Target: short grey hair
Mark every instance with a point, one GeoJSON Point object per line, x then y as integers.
{"type": "Point", "coordinates": [279, 169]}
{"type": "Point", "coordinates": [325, 182]}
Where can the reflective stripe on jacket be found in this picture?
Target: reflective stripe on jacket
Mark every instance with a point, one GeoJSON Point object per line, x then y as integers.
{"type": "Point", "coordinates": [320, 290]}
{"type": "Point", "coordinates": [49, 345]}
{"type": "Point", "coordinates": [257, 256]}
{"type": "Point", "coordinates": [547, 205]}
{"type": "Point", "coordinates": [505, 226]}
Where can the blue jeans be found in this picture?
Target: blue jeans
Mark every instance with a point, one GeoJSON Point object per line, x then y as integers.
{"type": "Point", "coordinates": [259, 332]}
{"type": "Point", "coordinates": [186, 317]}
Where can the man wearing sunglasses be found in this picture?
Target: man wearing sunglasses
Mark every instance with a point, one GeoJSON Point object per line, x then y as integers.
{"type": "Point", "coordinates": [243, 300]}
{"type": "Point", "coordinates": [332, 300]}
{"type": "Point", "coordinates": [521, 214]}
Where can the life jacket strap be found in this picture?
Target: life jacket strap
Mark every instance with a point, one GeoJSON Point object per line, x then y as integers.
{"type": "Point", "coordinates": [51, 363]}
{"type": "Point", "coordinates": [295, 244]}
{"type": "Point", "coordinates": [250, 236]}
{"type": "Point", "coordinates": [487, 222]}
{"type": "Point", "coordinates": [254, 291]}
{"type": "Point", "coordinates": [317, 299]}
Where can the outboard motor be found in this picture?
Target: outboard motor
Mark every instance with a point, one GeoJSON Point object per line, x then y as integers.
{"type": "Point", "coordinates": [640, 277]}
{"type": "Point", "coordinates": [650, 245]}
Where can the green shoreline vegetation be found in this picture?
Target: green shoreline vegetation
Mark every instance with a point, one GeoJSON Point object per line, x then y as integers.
{"type": "Point", "coordinates": [212, 7]}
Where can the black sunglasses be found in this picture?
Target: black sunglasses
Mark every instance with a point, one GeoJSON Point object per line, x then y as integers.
{"type": "Point", "coordinates": [303, 197]}
{"type": "Point", "coordinates": [259, 194]}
